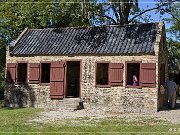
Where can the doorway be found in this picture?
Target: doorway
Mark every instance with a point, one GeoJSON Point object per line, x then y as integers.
{"type": "Point", "coordinates": [73, 79]}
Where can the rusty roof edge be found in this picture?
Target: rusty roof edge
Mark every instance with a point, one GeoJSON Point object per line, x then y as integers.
{"type": "Point", "coordinates": [19, 37]}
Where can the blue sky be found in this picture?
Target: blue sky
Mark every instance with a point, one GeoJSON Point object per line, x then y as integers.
{"type": "Point", "coordinates": [146, 4]}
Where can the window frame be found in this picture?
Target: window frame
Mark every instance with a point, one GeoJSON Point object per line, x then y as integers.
{"type": "Point", "coordinates": [100, 85]}
{"type": "Point", "coordinates": [27, 73]}
{"type": "Point", "coordinates": [131, 62]}
{"type": "Point", "coordinates": [41, 83]}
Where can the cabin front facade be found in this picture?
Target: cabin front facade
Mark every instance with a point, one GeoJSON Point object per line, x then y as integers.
{"type": "Point", "coordinates": [92, 64]}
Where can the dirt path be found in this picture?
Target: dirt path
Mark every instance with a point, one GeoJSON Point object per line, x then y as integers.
{"type": "Point", "coordinates": [172, 116]}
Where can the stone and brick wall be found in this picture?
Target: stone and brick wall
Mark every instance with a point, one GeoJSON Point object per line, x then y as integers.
{"type": "Point", "coordinates": [162, 59]}
{"type": "Point", "coordinates": [117, 98]}
{"type": "Point", "coordinates": [121, 98]}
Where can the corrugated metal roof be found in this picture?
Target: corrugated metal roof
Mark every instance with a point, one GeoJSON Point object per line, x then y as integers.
{"type": "Point", "coordinates": [129, 39]}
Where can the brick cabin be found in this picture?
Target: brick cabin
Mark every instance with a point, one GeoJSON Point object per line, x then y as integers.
{"type": "Point", "coordinates": [48, 67]}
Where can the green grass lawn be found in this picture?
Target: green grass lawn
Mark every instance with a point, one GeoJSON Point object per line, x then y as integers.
{"type": "Point", "coordinates": [15, 121]}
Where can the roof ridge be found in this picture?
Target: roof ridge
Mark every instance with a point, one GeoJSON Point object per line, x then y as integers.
{"type": "Point", "coordinates": [80, 27]}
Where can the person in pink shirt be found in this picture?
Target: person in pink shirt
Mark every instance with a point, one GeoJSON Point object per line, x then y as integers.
{"type": "Point", "coordinates": [135, 80]}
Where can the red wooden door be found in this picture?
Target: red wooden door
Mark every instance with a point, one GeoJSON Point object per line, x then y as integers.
{"type": "Point", "coordinates": [57, 80]}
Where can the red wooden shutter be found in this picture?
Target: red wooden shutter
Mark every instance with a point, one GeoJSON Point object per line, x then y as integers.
{"type": "Point", "coordinates": [57, 80]}
{"type": "Point", "coordinates": [34, 72]}
{"type": "Point", "coordinates": [11, 73]}
{"type": "Point", "coordinates": [116, 74]}
{"type": "Point", "coordinates": [148, 74]}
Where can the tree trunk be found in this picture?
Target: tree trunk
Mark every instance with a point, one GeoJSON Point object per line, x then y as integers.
{"type": "Point", "coordinates": [124, 19]}
{"type": "Point", "coordinates": [124, 10]}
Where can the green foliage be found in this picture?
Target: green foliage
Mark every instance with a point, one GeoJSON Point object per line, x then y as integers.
{"type": "Point", "coordinates": [73, 14]}
{"type": "Point", "coordinates": [174, 42]}
{"type": "Point", "coordinates": [174, 30]}
{"type": "Point", "coordinates": [17, 16]}
{"type": "Point", "coordinates": [174, 55]}
{"type": "Point", "coordinates": [174, 48]}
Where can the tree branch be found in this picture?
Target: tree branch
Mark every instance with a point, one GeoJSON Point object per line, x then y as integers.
{"type": "Point", "coordinates": [108, 17]}
{"type": "Point", "coordinates": [115, 12]}
{"type": "Point", "coordinates": [177, 19]}
{"type": "Point", "coordinates": [147, 11]}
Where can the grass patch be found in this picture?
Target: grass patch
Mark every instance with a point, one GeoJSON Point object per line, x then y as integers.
{"type": "Point", "coordinates": [15, 120]}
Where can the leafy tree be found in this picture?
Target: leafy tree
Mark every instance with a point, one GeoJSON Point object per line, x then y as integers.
{"type": "Point", "coordinates": [75, 14]}
{"type": "Point", "coordinates": [174, 41]}
{"type": "Point", "coordinates": [174, 55]}
{"type": "Point", "coordinates": [174, 30]}
{"type": "Point", "coordinates": [17, 16]}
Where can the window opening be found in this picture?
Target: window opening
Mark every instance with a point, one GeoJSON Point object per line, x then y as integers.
{"type": "Point", "coordinates": [22, 72]}
{"type": "Point", "coordinates": [133, 71]}
{"type": "Point", "coordinates": [102, 74]}
{"type": "Point", "coordinates": [45, 72]}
